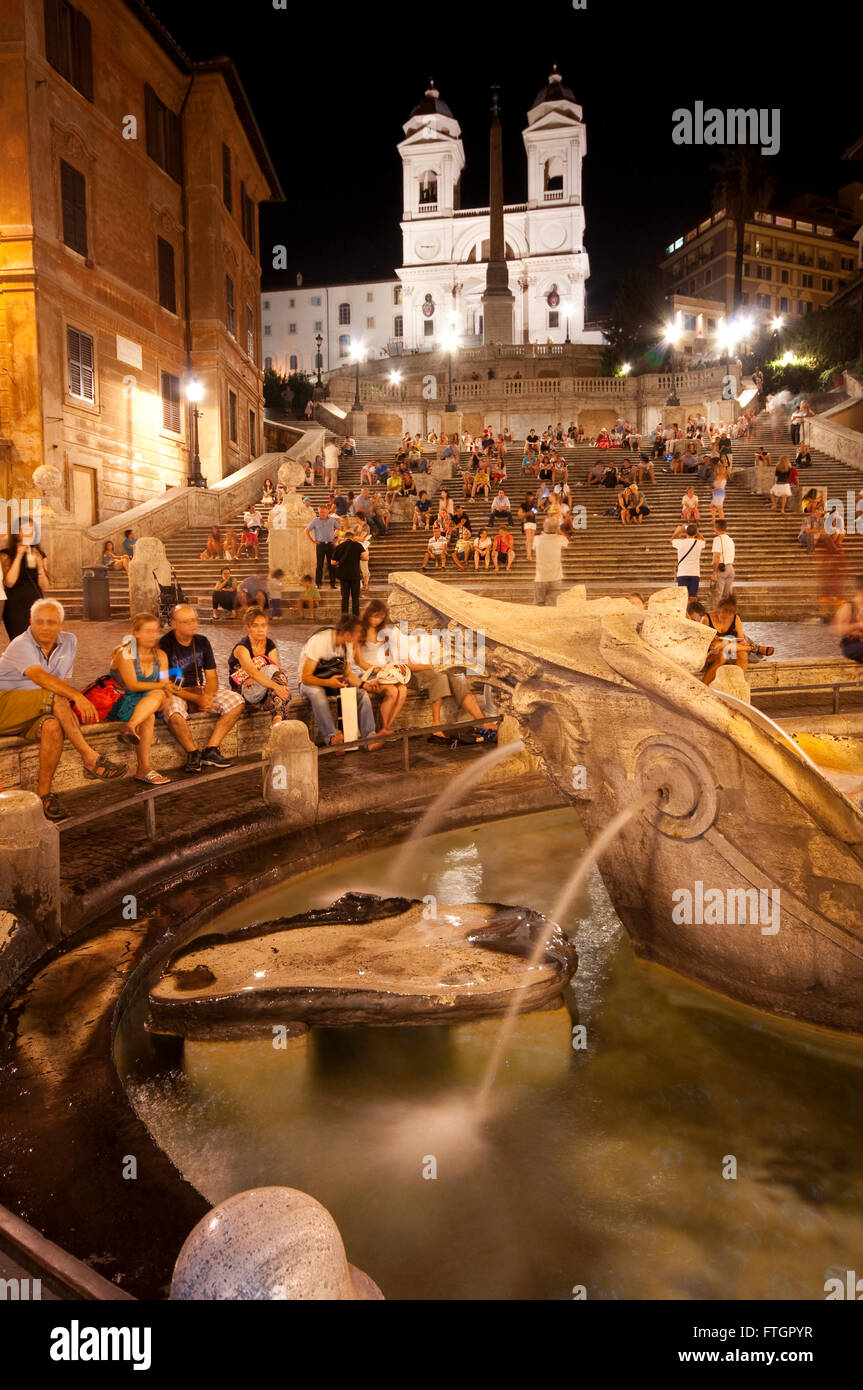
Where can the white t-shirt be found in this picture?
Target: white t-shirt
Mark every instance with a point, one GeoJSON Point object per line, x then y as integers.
{"type": "Point", "coordinates": [548, 549]}
{"type": "Point", "coordinates": [319, 648]}
{"type": "Point", "coordinates": [331, 456]}
{"type": "Point", "coordinates": [723, 546]}
{"type": "Point", "coordinates": [689, 547]}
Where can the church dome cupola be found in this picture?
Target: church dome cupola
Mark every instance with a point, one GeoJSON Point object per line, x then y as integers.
{"type": "Point", "coordinates": [554, 96]}
{"type": "Point", "coordinates": [554, 91]}
{"type": "Point", "coordinates": [431, 105]}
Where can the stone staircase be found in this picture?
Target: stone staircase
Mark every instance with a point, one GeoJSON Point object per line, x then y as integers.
{"type": "Point", "coordinates": [776, 579]}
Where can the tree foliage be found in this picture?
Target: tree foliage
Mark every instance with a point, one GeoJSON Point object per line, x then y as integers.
{"type": "Point", "coordinates": [275, 386]}
{"type": "Point", "coordinates": [636, 325]}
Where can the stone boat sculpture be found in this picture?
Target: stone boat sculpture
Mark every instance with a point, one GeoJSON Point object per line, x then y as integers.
{"type": "Point", "coordinates": [745, 870]}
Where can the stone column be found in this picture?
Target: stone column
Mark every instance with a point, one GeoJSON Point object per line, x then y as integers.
{"type": "Point", "coordinates": [149, 568]}
{"type": "Point", "coordinates": [29, 884]}
{"type": "Point", "coordinates": [291, 773]}
{"type": "Point", "coordinates": [289, 549]}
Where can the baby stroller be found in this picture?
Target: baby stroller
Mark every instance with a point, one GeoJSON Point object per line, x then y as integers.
{"type": "Point", "coordinates": [169, 596]}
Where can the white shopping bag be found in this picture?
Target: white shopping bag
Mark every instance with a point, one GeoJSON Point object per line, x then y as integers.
{"type": "Point", "coordinates": [350, 723]}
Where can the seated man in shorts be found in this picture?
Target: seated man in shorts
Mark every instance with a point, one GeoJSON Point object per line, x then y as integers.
{"type": "Point", "coordinates": [195, 685]}
{"type": "Point", "coordinates": [37, 701]}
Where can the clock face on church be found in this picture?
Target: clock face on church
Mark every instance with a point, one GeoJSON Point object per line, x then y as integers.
{"type": "Point", "coordinates": [428, 248]}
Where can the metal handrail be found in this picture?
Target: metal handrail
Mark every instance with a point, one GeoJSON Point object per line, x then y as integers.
{"type": "Point", "coordinates": [834, 686]}
{"type": "Point", "coordinates": [146, 799]}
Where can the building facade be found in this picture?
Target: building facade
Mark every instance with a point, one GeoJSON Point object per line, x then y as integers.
{"type": "Point", "coordinates": [437, 291]}
{"type": "Point", "coordinates": [367, 314]}
{"type": "Point", "coordinates": [794, 261]}
{"type": "Point", "coordinates": [128, 238]}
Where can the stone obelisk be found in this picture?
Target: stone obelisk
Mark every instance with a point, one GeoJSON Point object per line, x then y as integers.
{"type": "Point", "coordinates": [498, 299]}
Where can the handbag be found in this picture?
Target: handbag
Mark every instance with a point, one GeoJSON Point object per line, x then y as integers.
{"type": "Point", "coordinates": [103, 695]}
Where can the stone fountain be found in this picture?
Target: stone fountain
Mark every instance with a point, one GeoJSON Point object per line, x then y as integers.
{"type": "Point", "coordinates": [745, 873]}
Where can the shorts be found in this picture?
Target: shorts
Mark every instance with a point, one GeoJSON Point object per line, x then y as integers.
{"type": "Point", "coordinates": [439, 684]}
{"type": "Point", "coordinates": [22, 713]}
{"type": "Point", "coordinates": [223, 702]}
{"type": "Point", "coordinates": [690, 583]}
{"type": "Point", "coordinates": [781, 489]}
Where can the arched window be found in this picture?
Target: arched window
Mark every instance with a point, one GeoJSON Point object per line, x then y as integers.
{"type": "Point", "coordinates": [268, 364]}
{"type": "Point", "coordinates": [552, 175]}
{"type": "Point", "coordinates": [293, 362]}
{"type": "Point", "coordinates": [344, 313]}
{"type": "Point", "coordinates": [428, 187]}
{"type": "Point", "coordinates": [344, 345]}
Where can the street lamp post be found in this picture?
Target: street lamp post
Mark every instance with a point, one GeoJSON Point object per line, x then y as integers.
{"type": "Point", "coordinates": [318, 359]}
{"type": "Point", "coordinates": [194, 392]}
{"type": "Point", "coordinates": [358, 352]}
{"type": "Point", "coordinates": [450, 344]}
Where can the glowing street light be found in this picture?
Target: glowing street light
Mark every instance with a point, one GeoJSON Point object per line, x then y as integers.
{"type": "Point", "coordinates": [195, 393]}
{"type": "Point", "coordinates": [777, 323]}
{"type": "Point", "coordinates": [449, 342]}
{"type": "Point", "coordinates": [395, 378]}
{"type": "Point", "coordinates": [625, 369]}
{"type": "Point", "coordinates": [672, 336]}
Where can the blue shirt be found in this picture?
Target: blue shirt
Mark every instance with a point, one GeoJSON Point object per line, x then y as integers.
{"type": "Point", "coordinates": [323, 528]}
{"type": "Point", "coordinates": [24, 652]}
{"type": "Point", "coordinates": [341, 506]}
{"type": "Point", "coordinates": [129, 547]}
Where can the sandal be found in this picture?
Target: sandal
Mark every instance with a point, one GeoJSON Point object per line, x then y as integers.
{"type": "Point", "coordinates": [52, 809]}
{"type": "Point", "coordinates": [105, 771]}
{"type": "Point", "coordinates": [153, 778]}
{"type": "Point", "coordinates": [129, 737]}
{"type": "Point", "coordinates": [438, 738]}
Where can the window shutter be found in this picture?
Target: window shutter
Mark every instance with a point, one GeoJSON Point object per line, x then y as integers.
{"type": "Point", "coordinates": [151, 115]}
{"type": "Point", "coordinates": [73, 194]}
{"type": "Point", "coordinates": [82, 55]}
{"type": "Point", "coordinates": [171, 402]}
{"type": "Point", "coordinates": [227, 190]}
{"type": "Point", "coordinates": [167, 287]}
{"type": "Point", "coordinates": [79, 356]}
{"type": "Point", "coordinates": [173, 146]}
{"type": "Point", "coordinates": [53, 41]}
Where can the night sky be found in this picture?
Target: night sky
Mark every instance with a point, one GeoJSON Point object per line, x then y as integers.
{"type": "Point", "coordinates": [331, 123]}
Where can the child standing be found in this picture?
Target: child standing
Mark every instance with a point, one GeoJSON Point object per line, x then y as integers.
{"type": "Point", "coordinates": [309, 595]}
{"type": "Point", "coordinates": [274, 592]}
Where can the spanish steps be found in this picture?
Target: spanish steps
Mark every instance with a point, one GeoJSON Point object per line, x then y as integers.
{"type": "Point", "coordinates": [775, 578]}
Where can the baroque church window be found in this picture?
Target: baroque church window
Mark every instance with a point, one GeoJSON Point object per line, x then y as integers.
{"type": "Point", "coordinates": [344, 313]}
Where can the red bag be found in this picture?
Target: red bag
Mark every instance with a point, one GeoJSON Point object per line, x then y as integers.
{"type": "Point", "coordinates": [103, 695]}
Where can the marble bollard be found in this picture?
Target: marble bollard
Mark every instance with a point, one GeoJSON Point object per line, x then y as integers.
{"type": "Point", "coordinates": [291, 772]}
{"type": "Point", "coordinates": [149, 568]}
{"type": "Point", "coordinates": [29, 884]}
{"type": "Point", "coordinates": [270, 1244]}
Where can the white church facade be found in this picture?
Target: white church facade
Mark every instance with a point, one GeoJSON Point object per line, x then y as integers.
{"type": "Point", "coordinates": [436, 294]}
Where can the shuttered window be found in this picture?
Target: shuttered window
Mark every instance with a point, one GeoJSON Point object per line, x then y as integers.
{"type": "Point", "coordinates": [167, 286]}
{"type": "Point", "coordinates": [253, 430]}
{"type": "Point", "coordinates": [227, 189]}
{"type": "Point", "coordinates": [247, 212]}
{"type": "Point", "coordinates": [79, 360]}
{"type": "Point", "coordinates": [230, 312]}
{"type": "Point", "coordinates": [232, 416]}
{"type": "Point", "coordinates": [73, 196]}
{"type": "Point", "coordinates": [163, 135]}
{"type": "Point", "coordinates": [170, 402]}
{"type": "Point", "coordinates": [250, 332]}
{"type": "Point", "coordinates": [68, 45]}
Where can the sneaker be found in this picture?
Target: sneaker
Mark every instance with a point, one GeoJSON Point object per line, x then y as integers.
{"type": "Point", "coordinates": [211, 757]}
{"type": "Point", "coordinates": [193, 761]}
